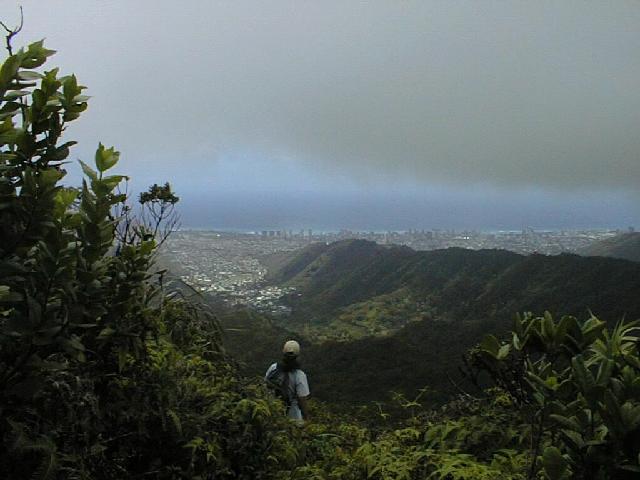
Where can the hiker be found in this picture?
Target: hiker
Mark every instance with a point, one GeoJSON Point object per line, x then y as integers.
{"type": "Point", "coordinates": [289, 382]}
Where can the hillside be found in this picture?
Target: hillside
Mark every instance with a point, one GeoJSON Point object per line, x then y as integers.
{"type": "Point", "coordinates": [376, 318]}
{"type": "Point", "coordinates": [456, 284]}
{"type": "Point", "coordinates": [625, 246]}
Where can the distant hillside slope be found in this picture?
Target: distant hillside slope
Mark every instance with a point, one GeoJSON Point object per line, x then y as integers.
{"type": "Point", "coordinates": [457, 284]}
{"type": "Point", "coordinates": [626, 246]}
{"type": "Point", "coordinates": [457, 296]}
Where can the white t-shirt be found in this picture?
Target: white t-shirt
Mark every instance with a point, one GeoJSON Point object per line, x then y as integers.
{"type": "Point", "coordinates": [298, 387]}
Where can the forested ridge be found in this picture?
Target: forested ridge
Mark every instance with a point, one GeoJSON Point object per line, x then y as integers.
{"type": "Point", "coordinates": [465, 285]}
{"type": "Point", "coordinates": [107, 373]}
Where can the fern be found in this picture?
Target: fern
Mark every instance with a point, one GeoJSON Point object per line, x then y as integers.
{"type": "Point", "coordinates": [175, 421]}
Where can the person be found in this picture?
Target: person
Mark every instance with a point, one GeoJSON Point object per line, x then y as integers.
{"type": "Point", "coordinates": [294, 381]}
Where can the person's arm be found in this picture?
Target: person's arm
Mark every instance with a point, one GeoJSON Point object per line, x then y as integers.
{"type": "Point", "coordinates": [304, 407]}
{"type": "Point", "coordinates": [302, 392]}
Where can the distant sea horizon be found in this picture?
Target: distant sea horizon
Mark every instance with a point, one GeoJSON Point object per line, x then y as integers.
{"type": "Point", "coordinates": [256, 211]}
{"type": "Point", "coordinates": [488, 231]}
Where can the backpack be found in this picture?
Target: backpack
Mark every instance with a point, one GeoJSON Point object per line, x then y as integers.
{"type": "Point", "coordinates": [278, 383]}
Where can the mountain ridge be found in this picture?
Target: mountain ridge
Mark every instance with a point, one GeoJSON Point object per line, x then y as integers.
{"type": "Point", "coordinates": [464, 283]}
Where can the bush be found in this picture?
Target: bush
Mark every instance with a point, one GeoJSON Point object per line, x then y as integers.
{"type": "Point", "coordinates": [579, 383]}
{"type": "Point", "coordinates": [102, 375]}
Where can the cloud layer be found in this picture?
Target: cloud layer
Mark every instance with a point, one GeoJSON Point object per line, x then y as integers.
{"type": "Point", "coordinates": [541, 94]}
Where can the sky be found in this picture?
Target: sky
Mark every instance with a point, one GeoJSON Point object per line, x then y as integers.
{"type": "Point", "coordinates": [363, 115]}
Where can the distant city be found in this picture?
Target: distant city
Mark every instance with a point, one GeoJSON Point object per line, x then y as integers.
{"type": "Point", "coordinates": [228, 265]}
{"type": "Point", "coordinates": [526, 241]}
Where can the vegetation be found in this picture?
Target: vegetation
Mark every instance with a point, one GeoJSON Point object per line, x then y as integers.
{"type": "Point", "coordinates": [424, 310]}
{"type": "Point", "coordinates": [104, 373]}
{"type": "Point", "coordinates": [378, 316]}
{"type": "Point", "coordinates": [456, 284]}
{"type": "Point", "coordinates": [580, 385]}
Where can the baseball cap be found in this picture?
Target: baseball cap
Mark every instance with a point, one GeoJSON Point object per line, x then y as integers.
{"type": "Point", "coordinates": [291, 347]}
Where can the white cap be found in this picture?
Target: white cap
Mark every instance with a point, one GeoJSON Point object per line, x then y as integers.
{"type": "Point", "coordinates": [291, 347]}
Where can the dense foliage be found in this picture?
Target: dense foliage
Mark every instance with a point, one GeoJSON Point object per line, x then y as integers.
{"type": "Point", "coordinates": [102, 375]}
{"type": "Point", "coordinates": [580, 385]}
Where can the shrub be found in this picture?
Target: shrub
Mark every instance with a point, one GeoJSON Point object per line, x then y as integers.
{"type": "Point", "coordinates": [579, 382]}
{"type": "Point", "coordinates": [102, 375]}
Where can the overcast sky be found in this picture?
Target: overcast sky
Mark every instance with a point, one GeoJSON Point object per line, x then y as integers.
{"type": "Point", "coordinates": [342, 114]}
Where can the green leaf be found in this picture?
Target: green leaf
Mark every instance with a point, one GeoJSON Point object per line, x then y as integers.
{"type": "Point", "coordinates": [112, 181]}
{"type": "Point", "coordinates": [582, 374]}
{"type": "Point", "coordinates": [65, 197]}
{"type": "Point", "coordinates": [554, 463]}
{"type": "Point", "coordinates": [106, 158]}
{"type": "Point", "coordinates": [613, 414]}
{"type": "Point", "coordinates": [490, 345]}
{"type": "Point", "coordinates": [605, 371]}
{"type": "Point", "coordinates": [547, 327]}
{"type": "Point", "coordinates": [566, 324]}
{"type": "Point", "coordinates": [632, 360]}
{"type": "Point", "coordinates": [50, 176]}
{"type": "Point", "coordinates": [566, 422]}
{"type": "Point", "coordinates": [515, 341]}
{"type": "Point", "coordinates": [8, 70]}
{"type": "Point", "coordinates": [88, 171]}
{"type": "Point", "coordinates": [535, 381]}
{"type": "Point", "coordinates": [29, 75]}
{"type": "Point", "coordinates": [106, 333]}
{"type": "Point", "coordinates": [176, 421]}
{"type": "Point", "coordinates": [592, 329]}
{"type": "Point", "coordinates": [36, 55]}
{"type": "Point", "coordinates": [573, 439]}
{"type": "Point", "coordinates": [16, 94]}
{"type": "Point", "coordinates": [503, 352]}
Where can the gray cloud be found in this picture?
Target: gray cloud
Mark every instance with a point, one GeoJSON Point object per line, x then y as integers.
{"type": "Point", "coordinates": [543, 94]}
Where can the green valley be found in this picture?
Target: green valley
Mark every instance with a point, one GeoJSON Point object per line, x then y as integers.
{"type": "Point", "coordinates": [354, 300]}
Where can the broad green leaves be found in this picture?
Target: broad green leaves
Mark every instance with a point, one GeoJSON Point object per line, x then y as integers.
{"type": "Point", "coordinates": [584, 383]}
{"type": "Point", "coordinates": [77, 304]}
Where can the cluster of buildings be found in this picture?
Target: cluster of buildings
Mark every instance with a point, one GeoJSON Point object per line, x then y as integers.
{"type": "Point", "coordinates": [227, 265]}
{"type": "Point", "coordinates": [524, 241]}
